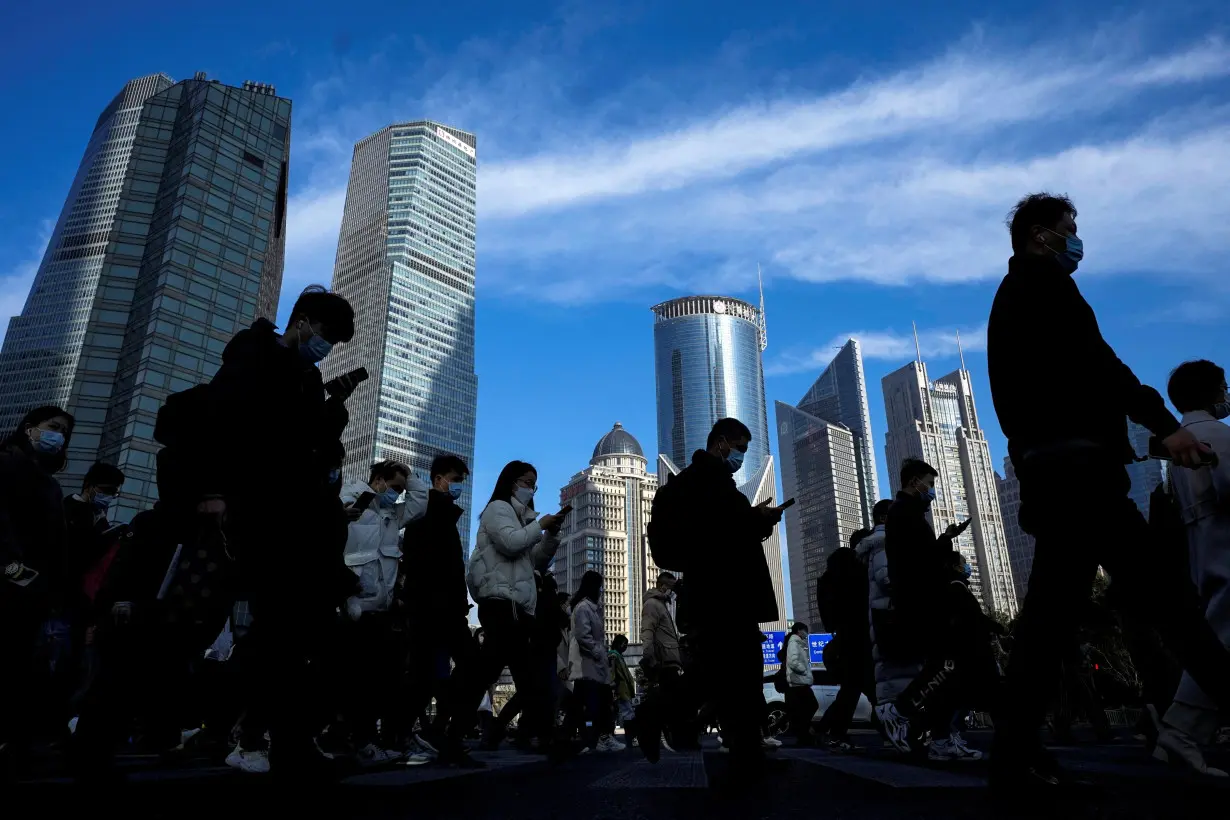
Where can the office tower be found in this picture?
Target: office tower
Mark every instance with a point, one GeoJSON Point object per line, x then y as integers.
{"type": "Point", "coordinates": [707, 362]}
{"type": "Point", "coordinates": [1146, 475]}
{"type": "Point", "coordinates": [605, 532]}
{"type": "Point", "coordinates": [405, 261]}
{"type": "Point", "coordinates": [820, 471]}
{"type": "Point", "coordinates": [938, 422]}
{"type": "Point", "coordinates": [1020, 543]}
{"type": "Point", "coordinates": [171, 240]}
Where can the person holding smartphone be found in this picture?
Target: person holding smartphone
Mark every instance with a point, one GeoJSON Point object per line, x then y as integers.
{"type": "Point", "coordinates": [32, 557]}
{"type": "Point", "coordinates": [513, 543]}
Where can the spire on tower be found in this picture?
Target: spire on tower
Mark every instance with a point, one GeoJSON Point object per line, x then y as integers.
{"type": "Point", "coordinates": [764, 327]}
{"type": "Point", "coordinates": [917, 348]}
{"type": "Point", "coordinates": [960, 352]}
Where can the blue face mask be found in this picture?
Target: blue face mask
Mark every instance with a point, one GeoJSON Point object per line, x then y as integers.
{"type": "Point", "coordinates": [315, 349]}
{"type": "Point", "coordinates": [334, 476]}
{"type": "Point", "coordinates": [929, 494]}
{"type": "Point", "coordinates": [389, 497]}
{"type": "Point", "coordinates": [734, 459]}
{"type": "Point", "coordinates": [102, 502]}
{"type": "Point", "coordinates": [968, 570]}
{"type": "Point", "coordinates": [1072, 254]}
{"type": "Point", "coordinates": [49, 441]}
{"type": "Point", "coordinates": [455, 490]}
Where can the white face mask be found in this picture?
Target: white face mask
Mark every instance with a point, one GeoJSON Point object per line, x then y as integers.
{"type": "Point", "coordinates": [525, 495]}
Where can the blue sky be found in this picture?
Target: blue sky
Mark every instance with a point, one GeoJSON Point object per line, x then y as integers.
{"type": "Point", "coordinates": [864, 155]}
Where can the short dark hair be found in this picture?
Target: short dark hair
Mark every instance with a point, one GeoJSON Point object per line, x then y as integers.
{"type": "Point", "coordinates": [100, 473]}
{"type": "Point", "coordinates": [729, 429]}
{"type": "Point", "coordinates": [880, 511]}
{"type": "Point", "coordinates": [664, 577]}
{"type": "Point", "coordinates": [318, 304]}
{"type": "Point", "coordinates": [388, 470]}
{"type": "Point", "coordinates": [913, 468]}
{"type": "Point", "coordinates": [448, 463]}
{"type": "Point", "coordinates": [505, 484]}
{"type": "Point", "coordinates": [1043, 209]}
{"type": "Point", "coordinates": [799, 626]}
{"type": "Point", "coordinates": [618, 640]}
{"type": "Point", "coordinates": [36, 417]}
{"type": "Point", "coordinates": [1193, 383]}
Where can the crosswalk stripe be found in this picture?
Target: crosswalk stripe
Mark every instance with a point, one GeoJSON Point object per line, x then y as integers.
{"type": "Point", "coordinates": [897, 774]}
{"type": "Point", "coordinates": [682, 770]}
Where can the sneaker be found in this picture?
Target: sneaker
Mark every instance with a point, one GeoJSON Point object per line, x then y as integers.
{"type": "Point", "coordinates": [771, 743]}
{"type": "Point", "coordinates": [418, 760]}
{"type": "Point", "coordinates": [606, 743]}
{"type": "Point", "coordinates": [960, 750]}
{"type": "Point", "coordinates": [373, 755]}
{"type": "Point", "coordinates": [840, 746]}
{"type": "Point", "coordinates": [896, 727]}
{"type": "Point", "coordinates": [252, 762]}
{"type": "Point", "coordinates": [423, 745]}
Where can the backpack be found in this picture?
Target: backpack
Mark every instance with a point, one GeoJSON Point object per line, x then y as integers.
{"type": "Point", "coordinates": [668, 531]}
{"type": "Point", "coordinates": [181, 419]}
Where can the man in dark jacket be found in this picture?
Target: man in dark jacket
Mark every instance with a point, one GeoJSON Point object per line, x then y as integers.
{"type": "Point", "coordinates": [1061, 395]}
{"type": "Point", "coordinates": [436, 605]}
{"type": "Point", "coordinates": [729, 586]}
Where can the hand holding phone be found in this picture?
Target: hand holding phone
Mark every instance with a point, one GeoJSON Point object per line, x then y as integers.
{"type": "Point", "coordinates": [345, 384]}
{"type": "Point", "coordinates": [364, 501]}
{"type": "Point", "coordinates": [789, 502]}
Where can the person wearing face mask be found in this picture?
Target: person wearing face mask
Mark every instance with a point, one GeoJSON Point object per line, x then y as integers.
{"type": "Point", "coordinates": [918, 563]}
{"type": "Point", "coordinates": [1062, 397]}
{"type": "Point", "coordinates": [373, 552]}
{"type": "Point", "coordinates": [662, 661]}
{"type": "Point", "coordinates": [716, 535]}
{"type": "Point", "coordinates": [434, 602]}
{"type": "Point", "coordinates": [513, 543]}
{"type": "Point", "coordinates": [1198, 390]}
{"type": "Point", "coordinates": [33, 564]}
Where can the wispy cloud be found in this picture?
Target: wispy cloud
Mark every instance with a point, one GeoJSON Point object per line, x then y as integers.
{"type": "Point", "coordinates": [892, 179]}
{"type": "Point", "coordinates": [882, 345]}
{"type": "Point", "coordinates": [15, 285]}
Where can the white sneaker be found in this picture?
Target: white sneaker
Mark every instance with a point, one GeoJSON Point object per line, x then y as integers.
{"type": "Point", "coordinates": [420, 759]}
{"type": "Point", "coordinates": [964, 752]}
{"type": "Point", "coordinates": [771, 743]}
{"type": "Point", "coordinates": [253, 762]}
{"type": "Point", "coordinates": [373, 755]}
{"type": "Point", "coordinates": [606, 743]}
{"type": "Point", "coordinates": [896, 727]}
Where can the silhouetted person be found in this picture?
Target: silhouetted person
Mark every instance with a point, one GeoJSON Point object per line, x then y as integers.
{"type": "Point", "coordinates": [841, 593]}
{"type": "Point", "coordinates": [1062, 395]}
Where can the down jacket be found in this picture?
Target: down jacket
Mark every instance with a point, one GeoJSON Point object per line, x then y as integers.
{"type": "Point", "coordinates": [892, 676]}
{"type": "Point", "coordinates": [372, 549]}
{"type": "Point", "coordinates": [511, 546]}
{"type": "Point", "coordinates": [798, 661]}
{"type": "Point", "coordinates": [659, 636]}
{"type": "Point", "coordinates": [587, 652]}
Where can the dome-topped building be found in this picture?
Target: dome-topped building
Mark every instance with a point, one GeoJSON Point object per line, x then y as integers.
{"type": "Point", "coordinates": [616, 443]}
{"type": "Point", "coordinates": [611, 500]}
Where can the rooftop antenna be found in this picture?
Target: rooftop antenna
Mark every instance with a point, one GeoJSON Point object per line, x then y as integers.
{"type": "Point", "coordinates": [764, 327]}
{"type": "Point", "coordinates": [917, 348]}
{"type": "Point", "coordinates": [960, 352]}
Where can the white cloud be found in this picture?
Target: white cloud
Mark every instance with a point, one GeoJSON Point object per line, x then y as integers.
{"type": "Point", "coordinates": [883, 345]}
{"type": "Point", "coordinates": [15, 285]}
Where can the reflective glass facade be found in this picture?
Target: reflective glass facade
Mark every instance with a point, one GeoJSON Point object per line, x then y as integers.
{"type": "Point", "coordinates": [1020, 543]}
{"type": "Point", "coordinates": [406, 261]}
{"type": "Point", "coordinates": [192, 255]}
{"type": "Point", "coordinates": [707, 362]}
{"type": "Point", "coordinates": [1146, 475]}
{"type": "Point", "coordinates": [938, 423]}
{"type": "Point", "coordinates": [820, 470]}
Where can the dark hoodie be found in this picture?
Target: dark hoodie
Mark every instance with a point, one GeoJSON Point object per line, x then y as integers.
{"type": "Point", "coordinates": [433, 569]}
{"type": "Point", "coordinates": [1056, 383]}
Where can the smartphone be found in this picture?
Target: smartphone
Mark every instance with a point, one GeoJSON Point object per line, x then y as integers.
{"type": "Point", "coordinates": [24, 578]}
{"type": "Point", "coordinates": [364, 501]}
{"type": "Point", "coordinates": [356, 376]}
{"type": "Point", "coordinates": [787, 504]}
{"type": "Point", "coordinates": [564, 510]}
{"type": "Point", "coordinates": [1158, 450]}
{"type": "Point", "coordinates": [964, 525]}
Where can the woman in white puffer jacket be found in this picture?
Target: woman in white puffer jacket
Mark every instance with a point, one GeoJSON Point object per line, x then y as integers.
{"type": "Point", "coordinates": [513, 542]}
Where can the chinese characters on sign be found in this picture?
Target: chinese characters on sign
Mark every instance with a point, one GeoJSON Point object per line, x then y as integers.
{"type": "Point", "coordinates": [815, 643]}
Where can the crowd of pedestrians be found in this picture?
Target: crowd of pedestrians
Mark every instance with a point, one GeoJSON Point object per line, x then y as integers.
{"type": "Point", "coordinates": [311, 620]}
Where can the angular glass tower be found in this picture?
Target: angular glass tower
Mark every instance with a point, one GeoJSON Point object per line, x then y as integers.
{"type": "Point", "coordinates": [938, 423]}
{"type": "Point", "coordinates": [707, 356]}
{"type": "Point", "coordinates": [171, 240]}
{"type": "Point", "coordinates": [1020, 543]}
{"type": "Point", "coordinates": [405, 260]}
{"type": "Point", "coordinates": [1146, 475]}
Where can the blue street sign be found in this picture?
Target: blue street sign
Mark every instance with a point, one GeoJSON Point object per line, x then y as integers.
{"type": "Point", "coordinates": [771, 647]}
{"type": "Point", "coordinates": [816, 643]}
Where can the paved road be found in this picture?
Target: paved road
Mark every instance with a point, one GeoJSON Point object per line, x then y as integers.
{"type": "Point", "coordinates": [868, 785]}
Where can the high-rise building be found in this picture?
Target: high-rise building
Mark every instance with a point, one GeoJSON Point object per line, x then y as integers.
{"type": "Point", "coordinates": [406, 262]}
{"type": "Point", "coordinates": [1020, 543]}
{"type": "Point", "coordinates": [611, 501]}
{"type": "Point", "coordinates": [171, 240]}
{"type": "Point", "coordinates": [707, 361]}
{"type": "Point", "coordinates": [1146, 475]}
{"type": "Point", "coordinates": [828, 466]}
{"type": "Point", "coordinates": [937, 422]}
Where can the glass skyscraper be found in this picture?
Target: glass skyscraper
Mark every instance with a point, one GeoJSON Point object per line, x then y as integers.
{"type": "Point", "coordinates": [171, 240]}
{"type": "Point", "coordinates": [1020, 543]}
{"type": "Point", "coordinates": [406, 261]}
{"type": "Point", "coordinates": [1146, 475]}
{"type": "Point", "coordinates": [707, 357]}
{"type": "Point", "coordinates": [828, 466]}
{"type": "Point", "coordinates": [937, 422]}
